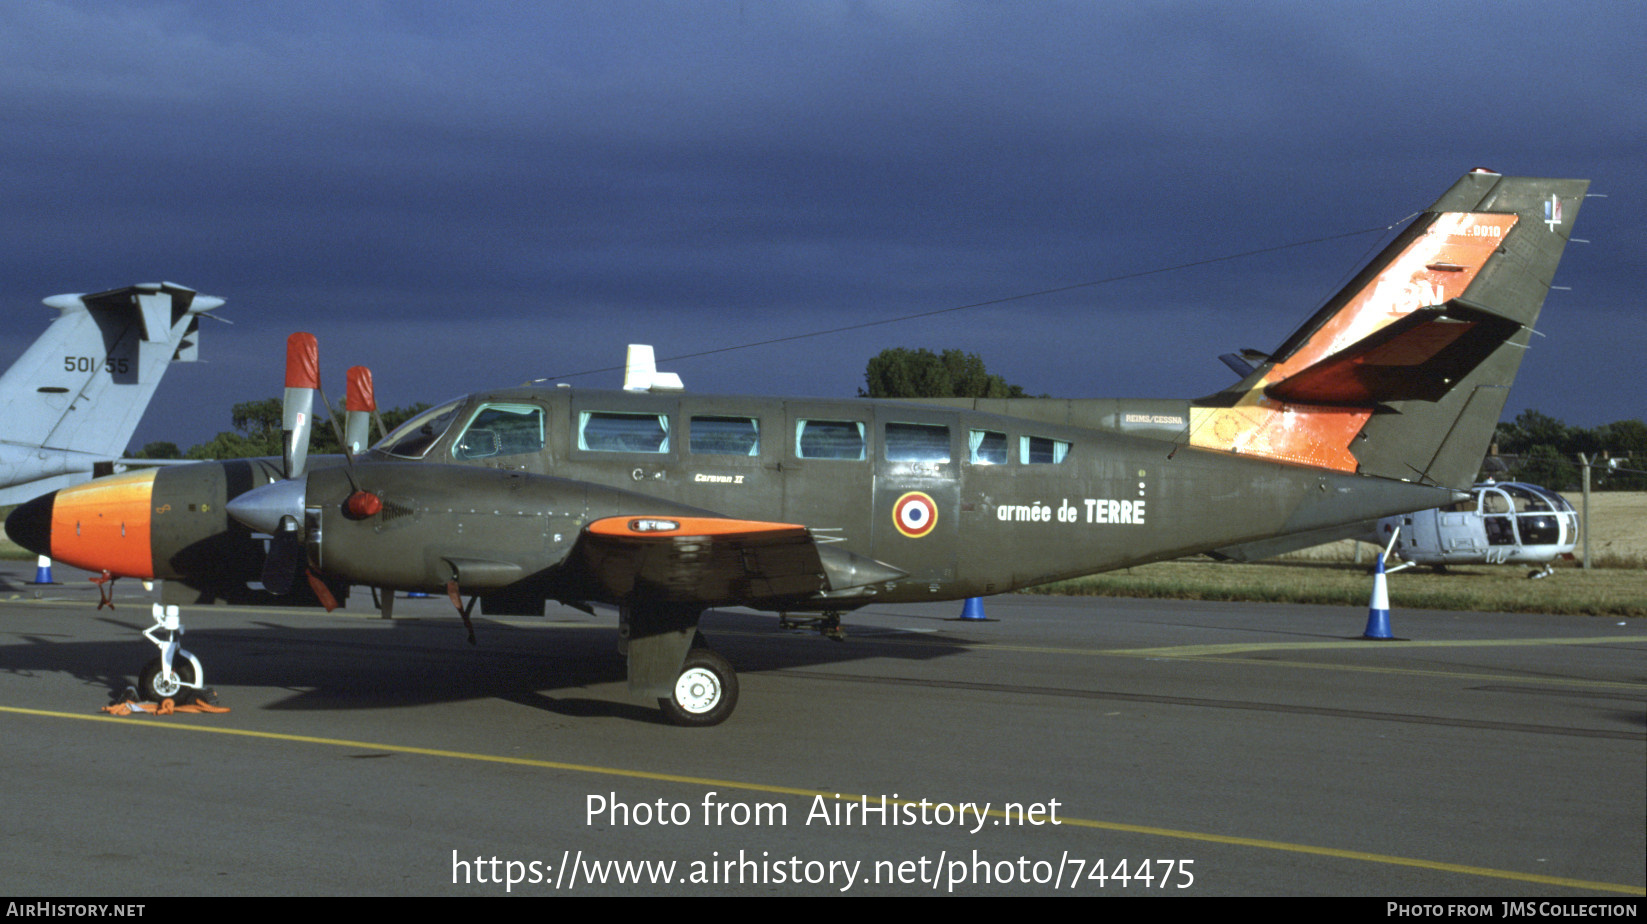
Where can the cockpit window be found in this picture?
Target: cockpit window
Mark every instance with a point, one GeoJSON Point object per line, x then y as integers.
{"type": "Point", "coordinates": [412, 439]}
{"type": "Point", "coordinates": [501, 430]}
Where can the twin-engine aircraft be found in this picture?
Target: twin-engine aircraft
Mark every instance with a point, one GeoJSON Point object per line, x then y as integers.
{"type": "Point", "coordinates": [71, 402]}
{"type": "Point", "coordinates": [666, 503]}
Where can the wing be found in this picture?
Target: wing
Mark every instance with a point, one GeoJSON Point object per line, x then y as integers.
{"type": "Point", "coordinates": [713, 561]}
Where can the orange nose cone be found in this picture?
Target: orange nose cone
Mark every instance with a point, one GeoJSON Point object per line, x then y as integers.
{"type": "Point", "coordinates": [103, 525]}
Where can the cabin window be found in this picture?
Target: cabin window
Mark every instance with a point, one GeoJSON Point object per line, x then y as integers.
{"type": "Point", "coordinates": [987, 447]}
{"type": "Point", "coordinates": [1038, 450]}
{"type": "Point", "coordinates": [413, 438]}
{"type": "Point", "coordinates": [501, 430]}
{"type": "Point", "coordinates": [725, 436]}
{"type": "Point", "coordinates": [907, 442]}
{"type": "Point", "coordinates": [829, 439]}
{"type": "Point", "coordinates": [609, 431]}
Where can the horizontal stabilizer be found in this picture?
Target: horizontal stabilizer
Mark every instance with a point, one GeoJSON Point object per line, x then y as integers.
{"type": "Point", "coordinates": [1418, 358]}
{"type": "Point", "coordinates": [184, 300]}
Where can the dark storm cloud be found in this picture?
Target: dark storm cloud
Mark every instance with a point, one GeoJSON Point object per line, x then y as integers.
{"type": "Point", "coordinates": [473, 194]}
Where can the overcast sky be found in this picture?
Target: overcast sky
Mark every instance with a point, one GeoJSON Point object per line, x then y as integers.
{"type": "Point", "coordinates": [468, 195]}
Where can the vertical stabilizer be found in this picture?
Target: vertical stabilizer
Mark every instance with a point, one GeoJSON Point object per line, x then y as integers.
{"type": "Point", "coordinates": [75, 396]}
{"type": "Point", "coordinates": [1403, 374]}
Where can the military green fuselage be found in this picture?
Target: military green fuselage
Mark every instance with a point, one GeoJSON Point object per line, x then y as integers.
{"type": "Point", "coordinates": [990, 503]}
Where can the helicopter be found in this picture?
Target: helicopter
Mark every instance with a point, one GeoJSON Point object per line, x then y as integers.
{"type": "Point", "coordinates": [1499, 523]}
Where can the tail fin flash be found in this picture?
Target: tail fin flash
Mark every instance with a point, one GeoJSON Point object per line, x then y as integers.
{"type": "Point", "coordinates": [1404, 373]}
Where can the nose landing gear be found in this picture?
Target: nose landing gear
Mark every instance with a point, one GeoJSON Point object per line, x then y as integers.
{"type": "Point", "coordinates": [176, 670]}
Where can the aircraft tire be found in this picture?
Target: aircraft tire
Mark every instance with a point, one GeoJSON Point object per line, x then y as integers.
{"type": "Point", "coordinates": [706, 691]}
{"type": "Point", "coordinates": [152, 689]}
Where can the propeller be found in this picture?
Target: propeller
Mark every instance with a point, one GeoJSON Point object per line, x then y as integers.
{"type": "Point", "coordinates": [293, 510]}
{"type": "Point", "coordinates": [359, 406]}
{"type": "Point", "coordinates": [280, 508]}
{"type": "Point", "coordinates": [297, 408]}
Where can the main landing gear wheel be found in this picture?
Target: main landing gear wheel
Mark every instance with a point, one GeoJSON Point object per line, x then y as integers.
{"type": "Point", "coordinates": [151, 687]}
{"type": "Point", "coordinates": [706, 691]}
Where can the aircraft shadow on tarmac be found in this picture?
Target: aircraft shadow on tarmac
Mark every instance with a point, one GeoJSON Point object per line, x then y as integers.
{"type": "Point", "coordinates": [423, 661]}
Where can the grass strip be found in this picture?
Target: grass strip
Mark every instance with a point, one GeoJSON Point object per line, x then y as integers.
{"type": "Point", "coordinates": [1498, 589]}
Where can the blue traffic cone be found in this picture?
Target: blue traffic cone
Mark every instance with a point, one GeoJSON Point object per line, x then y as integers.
{"type": "Point", "coordinates": [1378, 610]}
{"type": "Point", "coordinates": [974, 609]}
{"type": "Point", "coordinates": [42, 571]}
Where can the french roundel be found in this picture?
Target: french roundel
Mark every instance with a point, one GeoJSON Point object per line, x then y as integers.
{"type": "Point", "coordinates": [915, 514]}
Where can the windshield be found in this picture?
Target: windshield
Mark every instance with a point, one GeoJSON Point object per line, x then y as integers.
{"type": "Point", "coordinates": [413, 438]}
{"type": "Point", "coordinates": [1526, 500]}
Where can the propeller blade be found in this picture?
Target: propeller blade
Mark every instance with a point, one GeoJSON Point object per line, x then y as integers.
{"type": "Point", "coordinates": [285, 559]}
{"type": "Point", "coordinates": [359, 406]}
{"type": "Point", "coordinates": [297, 414]}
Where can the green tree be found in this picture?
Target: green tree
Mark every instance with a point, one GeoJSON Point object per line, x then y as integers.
{"type": "Point", "coordinates": [256, 431]}
{"type": "Point", "coordinates": [159, 450]}
{"type": "Point", "coordinates": [1623, 442]}
{"type": "Point", "coordinates": [899, 372]}
{"type": "Point", "coordinates": [1531, 428]}
{"type": "Point", "coordinates": [394, 417]}
{"type": "Point", "coordinates": [1543, 465]}
{"type": "Point", "coordinates": [1548, 451]}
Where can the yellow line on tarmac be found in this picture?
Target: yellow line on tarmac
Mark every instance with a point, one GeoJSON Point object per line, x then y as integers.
{"type": "Point", "coordinates": [1218, 653]}
{"type": "Point", "coordinates": [1357, 855]}
{"type": "Point", "coordinates": [1203, 651]}
{"type": "Point", "coordinates": [1522, 679]}
{"type": "Point", "coordinates": [1197, 651]}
